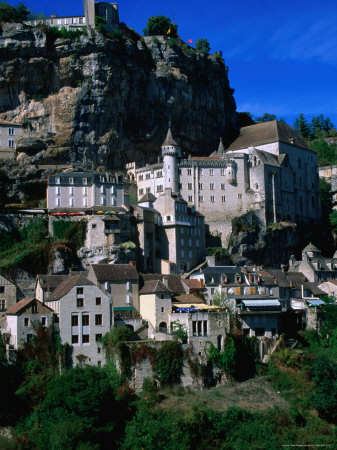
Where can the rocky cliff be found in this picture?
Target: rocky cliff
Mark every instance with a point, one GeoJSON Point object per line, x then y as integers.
{"type": "Point", "coordinates": [104, 100]}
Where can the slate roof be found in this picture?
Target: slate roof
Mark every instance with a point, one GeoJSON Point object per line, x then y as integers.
{"type": "Point", "coordinates": [115, 272]}
{"type": "Point", "coordinates": [265, 133]}
{"type": "Point", "coordinates": [67, 285]}
{"type": "Point", "coordinates": [50, 281]}
{"type": "Point", "coordinates": [169, 140]}
{"type": "Point", "coordinates": [148, 197]}
{"type": "Point", "coordinates": [311, 248]}
{"type": "Point", "coordinates": [268, 276]}
{"type": "Point", "coordinates": [155, 287]}
{"type": "Point", "coordinates": [217, 272]}
{"type": "Point", "coordinates": [175, 282]}
{"type": "Point", "coordinates": [268, 158]}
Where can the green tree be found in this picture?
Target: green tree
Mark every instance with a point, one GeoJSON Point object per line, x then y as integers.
{"type": "Point", "coordinates": [321, 126]}
{"type": "Point", "coordinates": [179, 331]}
{"type": "Point", "coordinates": [9, 13]}
{"type": "Point", "coordinates": [302, 127]}
{"type": "Point", "coordinates": [203, 46]}
{"type": "Point", "coordinates": [265, 118]}
{"type": "Point", "coordinates": [160, 25]}
{"type": "Point", "coordinates": [326, 154]}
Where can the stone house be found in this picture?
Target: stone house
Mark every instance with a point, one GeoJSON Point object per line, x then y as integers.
{"type": "Point", "coordinates": [22, 318]}
{"type": "Point", "coordinates": [7, 294]}
{"type": "Point", "coordinates": [313, 265]}
{"type": "Point", "coordinates": [85, 314]}
{"type": "Point", "coordinates": [204, 324]}
{"type": "Point", "coordinates": [45, 285]}
{"type": "Point", "coordinates": [84, 190]}
{"type": "Point", "coordinates": [121, 282]}
{"type": "Point", "coordinates": [9, 134]}
{"type": "Point", "coordinates": [155, 300]}
{"type": "Point", "coordinates": [105, 10]}
{"type": "Point", "coordinates": [329, 287]}
{"type": "Point", "coordinates": [268, 169]}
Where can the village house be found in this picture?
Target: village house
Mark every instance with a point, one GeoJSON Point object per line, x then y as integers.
{"type": "Point", "coordinates": [85, 315]}
{"type": "Point", "coordinates": [45, 285]}
{"type": "Point", "coordinates": [121, 282]}
{"type": "Point", "coordinates": [314, 266]}
{"type": "Point", "coordinates": [7, 294]}
{"type": "Point", "coordinates": [21, 321]}
{"type": "Point", "coordinates": [9, 134]}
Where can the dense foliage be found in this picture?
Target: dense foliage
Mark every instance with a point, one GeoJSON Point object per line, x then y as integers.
{"type": "Point", "coordinates": [72, 232]}
{"type": "Point", "coordinates": [9, 13]}
{"type": "Point", "coordinates": [160, 25]}
{"type": "Point", "coordinates": [318, 128]}
{"type": "Point", "coordinates": [326, 153]}
{"type": "Point", "coordinates": [203, 46]}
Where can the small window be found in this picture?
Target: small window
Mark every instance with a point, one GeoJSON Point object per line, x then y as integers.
{"type": "Point", "coordinates": [11, 143]}
{"type": "Point", "coordinates": [190, 198]}
{"type": "Point", "coordinates": [79, 291]}
{"type": "Point", "coordinates": [98, 319]}
{"type": "Point", "coordinates": [223, 186]}
{"type": "Point", "coordinates": [71, 180]}
{"type": "Point", "coordinates": [223, 198]}
{"type": "Point", "coordinates": [93, 225]}
{"type": "Point", "coordinates": [85, 180]}
{"type": "Point", "coordinates": [240, 196]}
{"type": "Point", "coordinates": [200, 186]}
{"type": "Point", "coordinates": [162, 309]}
{"type": "Point", "coordinates": [98, 300]}
{"type": "Point", "coordinates": [98, 349]}
{"type": "Point", "coordinates": [79, 303]}
{"type": "Point", "coordinates": [44, 321]}
{"type": "Point", "coordinates": [212, 198]}
{"type": "Point", "coordinates": [34, 308]}
{"type": "Point", "coordinates": [74, 339]}
{"type": "Point", "coordinates": [85, 320]}
{"type": "Point", "coordinates": [2, 289]}
{"type": "Point", "coordinates": [98, 337]}
{"type": "Point", "coordinates": [85, 338]}
{"type": "Point", "coordinates": [26, 322]}
{"type": "Point", "coordinates": [74, 320]}
{"type": "Point", "coordinates": [201, 198]}
{"type": "Point", "coordinates": [57, 180]}
{"type": "Point", "coordinates": [211, 186]}
{"type": "Point", "coordinates": [211, 172]}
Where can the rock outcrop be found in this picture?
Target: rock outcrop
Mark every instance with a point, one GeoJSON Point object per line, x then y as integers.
{"type": "Point", "coordinates": [104, 100]}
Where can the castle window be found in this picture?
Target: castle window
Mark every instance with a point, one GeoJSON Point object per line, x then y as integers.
{"type": "Point", "coordinates": [141, 191]}
{"type": "Point", "coordinates": [147, 176]}
{"type": "Point", "coordinates": [160, 188]}
{"type": "Point", "coordinates": [148, 190]}
{"type": "Point", "coordinates": [223, 172]}
{"type": "Point", "coordinates": [212, 198]}
{"type": "Point", "coordinates": [71, 202]}
{"type": "Point", "coordinates": [57, 190]}
{"type": "Point", "coordinates": [189, 186]}
{"type": "Point", "coordinates": [140, 177]}
{"type": "Point", "coordinates": [223, 198]}
{"type": "Point", "coordinates": [71, 180]}
{"type": "Point", "coordinates": [11, 143]}
{"type": "Point", "coordinates": [200, 186]}
{"type": "Point", "coordinates": [223, 186]}
{"type": "Point", "coordinates": [189, 171]}
{"type": "Point", "coordinates": [85, 191]}
{"type": "Point", "coordinates": [211, 171]}
{"type": "Point", "coordinates": [58, 201]}
{"type": "Point", "coordinates": [211, 186]}
{"type": "Point", "coordinates": [11, 131]}
{"type": "Point", "coordinates": [159, 174]}
{"type": "Point", "coordinates": [190, 198]}
{"type": "Point", "coordinates": [102, 189]}
{"type": "Point", "coordinates": [201, 198]}
{"type": "Point", "coordinates": [71, 190]}
{"type": "Point", "coordinates": [85, 180]}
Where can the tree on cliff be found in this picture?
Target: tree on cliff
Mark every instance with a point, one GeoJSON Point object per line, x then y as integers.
{"type": "Point", "coordinates": [158, 25]}
{"type": "Point", "coordinates": [203, 46]}
{"type": "Point", "coordinates": [9, 13]}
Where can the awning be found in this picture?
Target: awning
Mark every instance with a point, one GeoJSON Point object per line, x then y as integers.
{"type": "Point", "coordinates": [261, 302]}
{"type": "Point", "coordinates": [315, 302]}
{"type": "Point", "coordinates": [124, 308]}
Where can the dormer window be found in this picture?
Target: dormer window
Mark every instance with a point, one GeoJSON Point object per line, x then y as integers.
{"type": "Point", "coordinates": [85, 180]}
{"type": "Point", "coordinates": [57, 180]}
{"type": "Point", "coordinates": [71, 180]}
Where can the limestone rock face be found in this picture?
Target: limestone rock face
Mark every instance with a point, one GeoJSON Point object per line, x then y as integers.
{"type": "Point", "coordinates": [107, 100]}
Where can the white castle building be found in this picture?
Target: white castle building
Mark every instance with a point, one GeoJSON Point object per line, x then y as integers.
{"type": "Point", "coordinates": [268, 169]}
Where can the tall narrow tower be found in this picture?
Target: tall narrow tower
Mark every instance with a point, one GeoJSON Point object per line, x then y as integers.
{"type": "Point", "coordinates": [171, 153]}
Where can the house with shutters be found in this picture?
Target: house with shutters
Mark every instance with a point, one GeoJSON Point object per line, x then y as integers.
{"type": "Point", "coordinates": [21, 319]}
{"type": "Point", "coordinates": [7, 294]}
{"type": "Point", "coordinates": [85, 314]}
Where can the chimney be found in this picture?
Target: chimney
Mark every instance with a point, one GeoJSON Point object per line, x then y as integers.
{"type": "Point", "coordinates": [165, 281]}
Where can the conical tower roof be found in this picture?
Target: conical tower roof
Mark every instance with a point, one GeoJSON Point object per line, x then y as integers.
{"type": "Point", "coordinates": [221, 148]}
{"type": "Point", "coordinates": [310, 248]}
{"type": "Point", "coordinates": [169, 141]}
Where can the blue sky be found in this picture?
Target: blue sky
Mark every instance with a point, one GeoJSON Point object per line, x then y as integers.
{"type": "Point", "coordinates": [281, 55]}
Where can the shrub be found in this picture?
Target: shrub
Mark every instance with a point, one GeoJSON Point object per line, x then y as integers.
{"type": "Point", "coordinates": [179, 331]}
{"type": "Point", "coordinates": [169, 363]}
{"type": "Point", "coordinates": [155, 40]}
{"type": "Point", "coordinates": [203, 46]}
{"type": "Point", "coordinates": [172, 42]}
{"type": "Point", "coordinates": [72, 232]}
{"type": "Point", "coordinates": [160, 25]}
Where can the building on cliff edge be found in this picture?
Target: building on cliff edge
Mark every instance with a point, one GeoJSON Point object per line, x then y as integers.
{"type": "Point", "coordinates": [268, 170]}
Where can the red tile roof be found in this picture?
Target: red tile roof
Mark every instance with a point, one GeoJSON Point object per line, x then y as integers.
{"type": "Point", "coordinates": [67, 285]}
{"type": "Point", "coordinates": [13, 310]}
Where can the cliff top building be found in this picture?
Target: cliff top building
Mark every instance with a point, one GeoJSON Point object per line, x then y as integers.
{"type": "Point", "coordinates": [268, 170]}
{"type": "Point", "coordinates": [105, 10]}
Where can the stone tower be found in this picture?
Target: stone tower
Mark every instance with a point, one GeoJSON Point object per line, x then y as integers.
{"type": "Point", "coordinates": [170, 153]}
